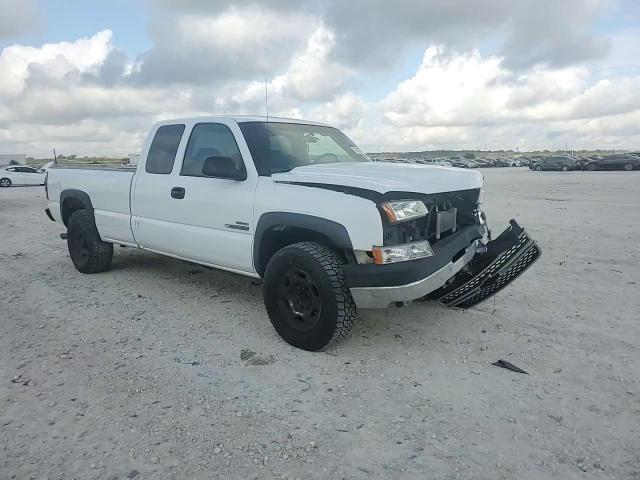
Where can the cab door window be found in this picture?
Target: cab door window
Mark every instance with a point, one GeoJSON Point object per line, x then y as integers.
{"type": "Point", "coordinates": [209, 140]}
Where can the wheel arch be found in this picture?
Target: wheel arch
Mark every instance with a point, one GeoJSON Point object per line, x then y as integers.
{"type": "Point", "coordinates": [276, 230]}
{"type": "Point", "coordinates": [72, 200]}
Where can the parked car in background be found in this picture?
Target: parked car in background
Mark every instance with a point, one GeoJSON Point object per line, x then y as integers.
{"type": "Point", "coordinates": [556, 163]}
{"type": "Point", "coordinates": [458, 162]}
{"type": "Point", "coordinates": [613, 162]}
{"type": "Point", "coordinates": [531, 161]}
{"type": "Point", "coordinates": [442, 163]}
{"type": "Point", "coordinates": [20, 175]}
{"type": "Point", "coordinates": [483, 163]}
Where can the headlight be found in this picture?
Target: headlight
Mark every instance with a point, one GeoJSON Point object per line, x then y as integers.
{"type": "Point", "coordinates": [403, 210]}
{"type": "Point", "coordinates": [401, 253]}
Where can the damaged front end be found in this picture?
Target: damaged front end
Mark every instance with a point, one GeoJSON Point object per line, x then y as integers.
{"type": "Point", "coordinates": [505, 259]}
{"type": "Point", "coordinates": [460, 268]}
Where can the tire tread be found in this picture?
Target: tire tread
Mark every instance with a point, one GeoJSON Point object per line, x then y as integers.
{"type": "Point", "coordinates": [101, 252]}
{"type": "Point", "coordinates": [331, 263]}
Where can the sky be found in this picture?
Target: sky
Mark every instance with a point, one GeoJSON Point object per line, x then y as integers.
{"type": "Point", "coordinates": [90, 78]}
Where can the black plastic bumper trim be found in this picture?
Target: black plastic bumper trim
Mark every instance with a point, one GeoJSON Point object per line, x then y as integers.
{"type": "Point", "coordinates": [507, 257]}
{"type": "Point", "coordinates": [402, 273]}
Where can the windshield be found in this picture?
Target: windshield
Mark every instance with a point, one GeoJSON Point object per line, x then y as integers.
{"type": "Point", "coordinates": [280, 147]}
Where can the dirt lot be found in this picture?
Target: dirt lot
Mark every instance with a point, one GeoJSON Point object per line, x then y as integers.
{"type": "Point", "coordinates": [160, 369]}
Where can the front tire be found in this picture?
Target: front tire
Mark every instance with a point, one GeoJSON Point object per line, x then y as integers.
{"type": "Point", "coordinates": [628, 167]}
{"type": "Point", "coordinates": [88, 252]}
{"type": "Point", "coordinates": [306, 297]}
{"type": "Point", "coordinates": [592, 167]}
{"type": "Point", "coordinates": [565, 168]}
{"type": "Point", "coordinates": [5, 182]}
{"type": "Point", "coordinates": [538, 168]}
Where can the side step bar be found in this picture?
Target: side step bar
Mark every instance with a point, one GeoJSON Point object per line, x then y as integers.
{"type": "Point", "coordinates": [507, 257]}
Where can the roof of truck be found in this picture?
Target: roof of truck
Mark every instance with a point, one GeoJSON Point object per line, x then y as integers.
{"type": "Point", "coordinates": [241, 119]}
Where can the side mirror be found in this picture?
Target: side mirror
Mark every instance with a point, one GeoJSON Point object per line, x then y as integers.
{"type": "Point", "coordinates": [223, 167]}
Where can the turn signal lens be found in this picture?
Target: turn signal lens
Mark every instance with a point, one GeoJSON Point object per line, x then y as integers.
{"type": "Point", "coordinates": [401, 253]}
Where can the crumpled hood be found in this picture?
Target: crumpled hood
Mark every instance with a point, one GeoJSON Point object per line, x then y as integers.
{"type": "Point", "coordinates": [384, 177]}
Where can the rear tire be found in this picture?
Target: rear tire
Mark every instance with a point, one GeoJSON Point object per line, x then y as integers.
{"type": "Point", "coordinates": [592, 167]}
{"type": "Point", "coordinates": [537, 168]}
{"type": "Point", "coordinates": [565, 168]}
{"type": "Point", "coordinates": [5, 182]}
{"type": "Point", "coordinates": [306, 297]}
{"type": "Point", "coordinates": [88, 252]}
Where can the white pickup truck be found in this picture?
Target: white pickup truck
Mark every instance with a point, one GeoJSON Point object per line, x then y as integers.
{"type": "Point", "coordinates": [297, 204]}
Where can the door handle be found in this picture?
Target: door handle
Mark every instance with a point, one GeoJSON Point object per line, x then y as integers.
{"type": "Point", "coordinates": [177, 192]}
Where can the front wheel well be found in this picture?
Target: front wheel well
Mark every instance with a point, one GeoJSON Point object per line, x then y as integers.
{"type": "Point", "coordinates": [280, 236]}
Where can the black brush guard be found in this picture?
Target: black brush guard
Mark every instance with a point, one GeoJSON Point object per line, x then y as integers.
{"type": "Point", "coordinates": [506, 258]}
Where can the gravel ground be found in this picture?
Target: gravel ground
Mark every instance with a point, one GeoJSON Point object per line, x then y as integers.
{"type": "Point", "coordinates": [161, 369]}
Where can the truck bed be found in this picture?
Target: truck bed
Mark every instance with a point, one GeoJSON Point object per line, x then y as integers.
{"type": "Point", "coordinates": [108, 187]}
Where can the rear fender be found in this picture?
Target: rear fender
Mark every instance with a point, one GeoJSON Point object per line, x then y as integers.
{"type": "Point", "coordinates": [72, 200]}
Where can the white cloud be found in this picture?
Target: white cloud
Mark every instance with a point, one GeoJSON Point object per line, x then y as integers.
{"type": "Point", "coordinates": [464, 100]}
{"type": "Point", "coordinates": [57, 59]}
{"type": "Point", "coordinates": [46, 101]}
{"type": "Point", "coordinates": [85, 96]}
{"type": "Point", "coordinates": [228, 45]}
{"type": "Point", "coordinates": [313, 74]}
{"type": "Point", "coordinates": [344, 111]}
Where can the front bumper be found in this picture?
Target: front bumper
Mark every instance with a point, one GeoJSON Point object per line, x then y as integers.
{"type": "Point", "coordinates": [444, 277]}
{"type": "Point", "coordinates": [506, 258]}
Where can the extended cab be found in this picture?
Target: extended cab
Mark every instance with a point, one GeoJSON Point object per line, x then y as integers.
{"type": "Point", "coordinates": [297, 204]}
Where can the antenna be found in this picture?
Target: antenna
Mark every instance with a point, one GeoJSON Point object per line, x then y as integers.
{"type": "Point", "coordinates": [266, 98]}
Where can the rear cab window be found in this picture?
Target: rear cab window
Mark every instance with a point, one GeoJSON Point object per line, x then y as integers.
{"type": "Point", "coordinates": [163, 149]}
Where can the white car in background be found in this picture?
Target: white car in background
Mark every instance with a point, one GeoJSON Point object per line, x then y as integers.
{"type": "Point", "coordinates": [21, 175]}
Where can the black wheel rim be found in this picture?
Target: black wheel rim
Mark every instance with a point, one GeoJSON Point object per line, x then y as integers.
{"type": "Point", "coordinates": [78, 246]}
{"type": "Point", "coordinates": [299, 300]}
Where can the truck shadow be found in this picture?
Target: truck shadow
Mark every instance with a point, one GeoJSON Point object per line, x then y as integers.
{"type": "Point", "coordinates": [171, 273]}
{"type": "Point", "coordinates": [413, 326]}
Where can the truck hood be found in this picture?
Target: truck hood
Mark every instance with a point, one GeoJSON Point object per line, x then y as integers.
{"type": "Point", "coordinates": [384, 177]}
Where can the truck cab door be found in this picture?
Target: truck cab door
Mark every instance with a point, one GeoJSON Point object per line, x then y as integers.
{"type": "Point", "coordinates": [201, 212]}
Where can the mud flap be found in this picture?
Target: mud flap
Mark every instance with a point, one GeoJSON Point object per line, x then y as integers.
{"type": "Point", "coordinates": [507, 257]}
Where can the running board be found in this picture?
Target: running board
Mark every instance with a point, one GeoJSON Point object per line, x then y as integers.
{"type": "Point", "coordinates": [507, 257]}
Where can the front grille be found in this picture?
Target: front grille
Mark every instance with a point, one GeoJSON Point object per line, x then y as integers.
{"type": "Point", "coordinates": [489, 280]}
{"type": "Point", "coordinates": [455, 209]}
